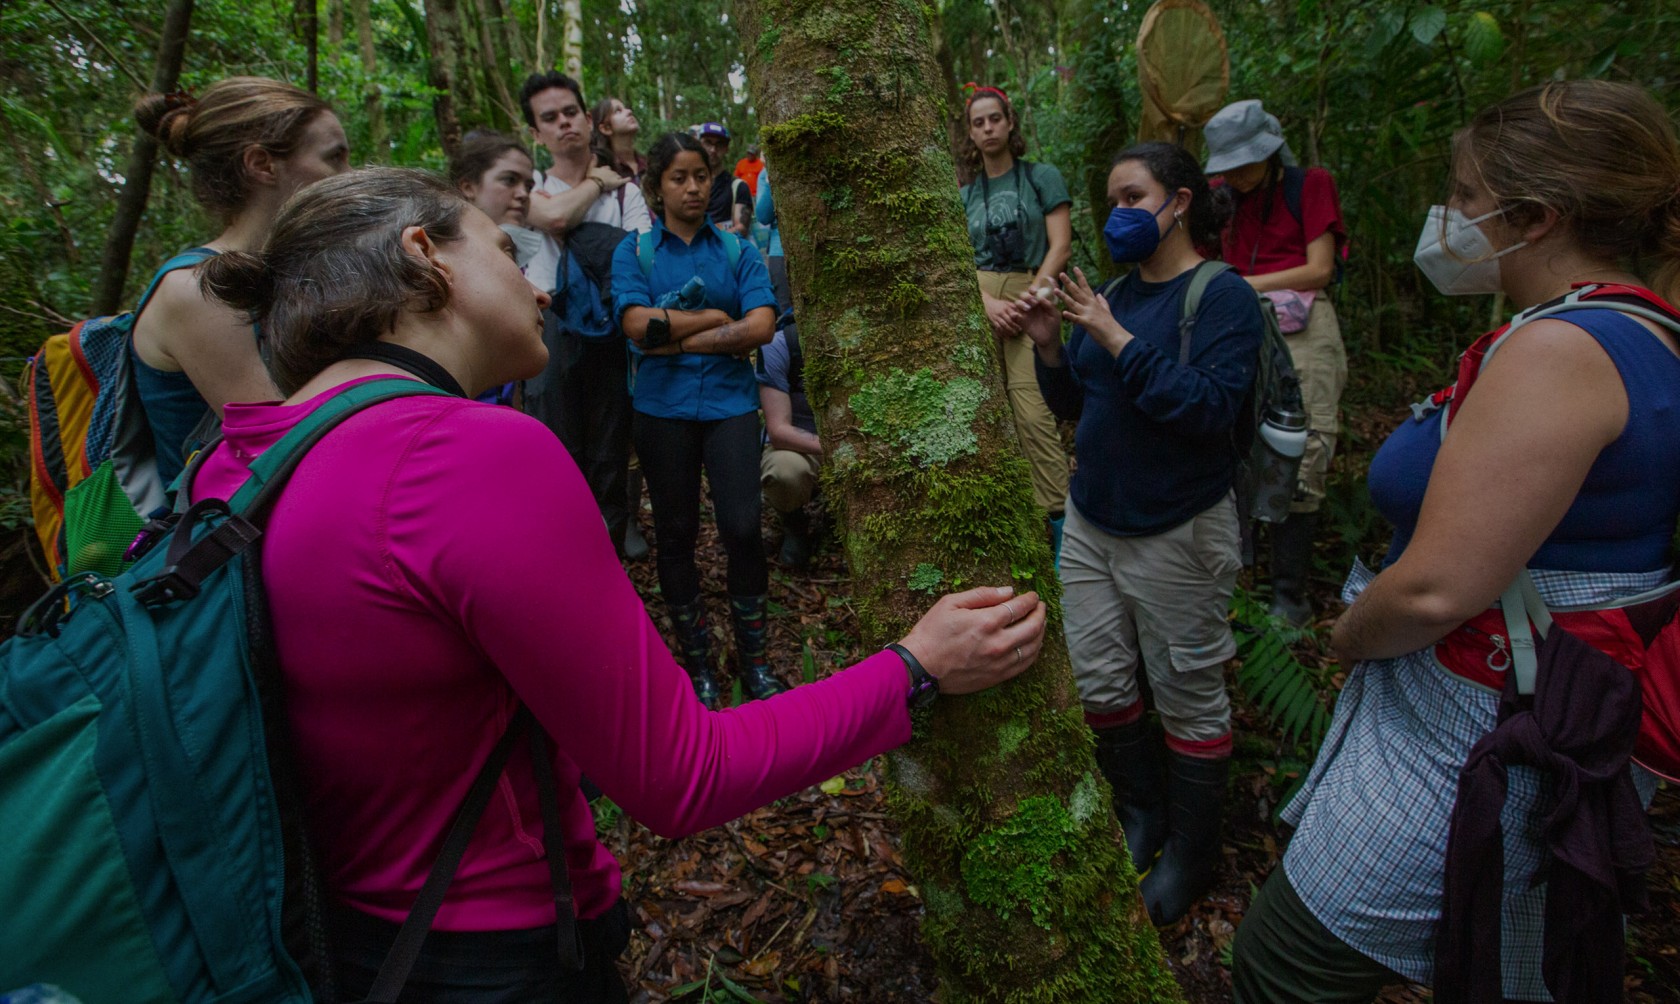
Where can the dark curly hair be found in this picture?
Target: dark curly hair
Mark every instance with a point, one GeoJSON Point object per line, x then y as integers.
{"type": "Point", "coordinates": [1175, 168]}
{"type": "Point", "coordinates": [536, 83]}
{"type": "Point", "coordinates": [659, 158]}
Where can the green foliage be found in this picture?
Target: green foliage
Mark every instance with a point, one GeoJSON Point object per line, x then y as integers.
{"type": "Point", "coordinates": [714, 988]}
{"type": "Point", "coordinates": [1290, 693]}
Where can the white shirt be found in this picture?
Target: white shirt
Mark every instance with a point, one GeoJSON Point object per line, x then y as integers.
{"type": "Point", "coordinates": [623, 208]}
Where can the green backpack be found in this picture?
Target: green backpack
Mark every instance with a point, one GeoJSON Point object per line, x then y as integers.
{"type": "Point", "coordinates": [145, 855]}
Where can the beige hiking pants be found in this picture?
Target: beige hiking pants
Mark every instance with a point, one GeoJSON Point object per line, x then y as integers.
{"type": "Point", "coordinates": [1035, 426]}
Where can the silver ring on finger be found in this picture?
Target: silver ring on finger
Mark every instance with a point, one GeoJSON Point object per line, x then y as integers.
{"type": "Point", "coordinates": [1013, 616]}
{"type": "Point", "coordinates": [1017, 653]}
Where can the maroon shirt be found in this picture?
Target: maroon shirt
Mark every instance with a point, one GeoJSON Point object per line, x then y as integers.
{"type": "Point", "coordinates": [1259, 241]}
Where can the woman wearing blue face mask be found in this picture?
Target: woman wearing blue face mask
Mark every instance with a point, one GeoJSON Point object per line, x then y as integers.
{"type": "Point", "coordinates": [1427, 848]}
{"type": "Point", "coordinates": [1150, 550]}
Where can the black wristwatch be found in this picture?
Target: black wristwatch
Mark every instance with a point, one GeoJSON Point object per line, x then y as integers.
{"type": "Point", "coordinates": [923, 687]}
{"type": "Point", "coordinates": [658, 333]}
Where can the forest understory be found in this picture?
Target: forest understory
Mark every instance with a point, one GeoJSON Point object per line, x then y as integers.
{"type": "Point", "coordinates": [808, 900]}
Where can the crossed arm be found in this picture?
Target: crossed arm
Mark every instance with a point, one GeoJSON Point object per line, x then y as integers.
{"type": "Point", "coordinates": [706, 332]}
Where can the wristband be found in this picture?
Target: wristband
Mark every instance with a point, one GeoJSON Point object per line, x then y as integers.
{"type": "Point", "coordinates": [658, 332]}
{"type": "Point", "coordinates": [923, 686]}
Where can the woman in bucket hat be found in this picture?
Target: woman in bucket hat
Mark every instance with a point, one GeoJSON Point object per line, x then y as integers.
{"type": "Point", "coordinates": [1285, 239]}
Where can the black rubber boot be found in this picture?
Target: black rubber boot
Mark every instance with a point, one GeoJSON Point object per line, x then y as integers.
{"type": "Point", "coordinates": [1190, 857]}
{"type": "Point", "coordinates": [751, 663]}
{"type": "Point", "coordinates": [1292, 543]}
{"type": "Point", "coordinates": [694, 647]}
{"type": "Point", "coordinates": [1129, 756]}
{"type": "Point", "coordinates": [634, 546]}
{"type": "Point", "coordinates": [796, 540]}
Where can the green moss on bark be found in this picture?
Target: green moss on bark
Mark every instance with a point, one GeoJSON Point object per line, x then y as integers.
{"type": "Point", "coordinates": [1005, 821]}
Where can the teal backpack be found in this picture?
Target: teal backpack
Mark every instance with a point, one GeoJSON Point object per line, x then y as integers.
{"type": "Point", "coordinates": [145, 857]}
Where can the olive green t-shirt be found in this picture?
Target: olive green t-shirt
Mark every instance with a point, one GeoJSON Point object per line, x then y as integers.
{"type": "Point", "coordinates": [1022, 196]}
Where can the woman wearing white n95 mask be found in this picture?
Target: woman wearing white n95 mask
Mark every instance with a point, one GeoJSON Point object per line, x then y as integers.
{"type": "Point", "coordinates": [1429, 848]}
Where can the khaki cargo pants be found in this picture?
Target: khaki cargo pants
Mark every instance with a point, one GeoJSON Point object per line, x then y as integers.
{"type": "Point", "coordinates": [1321, 363]}
{"type": "Point", "coordinates": [1035, 426]}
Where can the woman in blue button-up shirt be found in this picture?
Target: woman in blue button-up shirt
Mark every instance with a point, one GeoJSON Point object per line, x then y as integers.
{"type": "Point", "coordinates": [696, 301]}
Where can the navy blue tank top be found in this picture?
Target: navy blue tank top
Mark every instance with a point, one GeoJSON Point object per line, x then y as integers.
{"type": "Point", "coordinates": [173, 406]}
{"type": "Point", "coordinates": [1623, 519]}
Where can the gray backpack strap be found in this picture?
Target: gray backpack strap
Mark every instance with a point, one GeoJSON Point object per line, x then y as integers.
{"type": "Point", "coordinates": [1206, 272]}
{"type": "Point", "coordinates": [1520, 604]}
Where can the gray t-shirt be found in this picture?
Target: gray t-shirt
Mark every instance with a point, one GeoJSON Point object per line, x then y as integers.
{"type": "Point", "coordinates": [1022, 196]}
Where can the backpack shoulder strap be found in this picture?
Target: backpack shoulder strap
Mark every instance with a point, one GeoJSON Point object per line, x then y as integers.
{"type": "Point", "coordinates": [1294, 185]}
{"type": "Point", "coordinates": [189, 258]}
{"type": "Point", "coordinates": [731, 246]}
{"type": "Point", "coordinates": [1630, 300]}
{"type": "Point", "coordinates": [271, 470]}
{"type": "Point", "coordinates": [1205, 273]}
{"type": "Point", "coordinates": [1030, 169]}
{"type": "Point", "coordinates": [1108, 286]}
{"type": "Point", "coordinates": [644, 252]}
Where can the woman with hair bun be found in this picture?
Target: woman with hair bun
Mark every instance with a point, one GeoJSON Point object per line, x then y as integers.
{"type": "Point", "coordinates": [1151, 549]}
{"type": "Point", "coordinates": [249, 143]}
{"type": "Point", "coordinates": [406, 655]}
{"type": "Point", "coordinates": [1429, 846]}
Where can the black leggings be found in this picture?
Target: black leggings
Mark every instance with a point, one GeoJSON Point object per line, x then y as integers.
{"type": "Point", "coordinates": [672, 452]}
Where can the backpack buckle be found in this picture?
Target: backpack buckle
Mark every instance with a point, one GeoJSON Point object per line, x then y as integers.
{"type": "Point", "coordinates": [149, 535]}
{"type": "Point", "coordinates": [165, 587]}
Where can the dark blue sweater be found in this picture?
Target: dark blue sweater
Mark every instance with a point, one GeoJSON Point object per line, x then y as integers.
{"type": "Point", "coordinates": [1154, 442]}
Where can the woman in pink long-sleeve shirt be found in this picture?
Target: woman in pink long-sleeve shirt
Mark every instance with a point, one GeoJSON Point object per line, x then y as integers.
{"type": "Point", "coordinates": [434, 562]}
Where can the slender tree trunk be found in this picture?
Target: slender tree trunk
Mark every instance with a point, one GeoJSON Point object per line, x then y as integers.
{"type": "Point", "coordinates": [309, 29]}
{"type": "Point", "coordinates": [1006, 822]}
{"type": "Point", "coordinates": [372, 106]}
{"type": "Point", "coordinates": [571, 38]}
{"type": "Point", "coordinates": [443, 30]}
{"type": "Point", "coordinates": [513, 40]}
{"type": "Point", "coordinates": [495, 66]}
{"type": "Point", "coordinates": [541, 62]}
{"type": "Point", "coordinates": [137, 178]}
{"type": "Point", "coordinates": [335, 25]}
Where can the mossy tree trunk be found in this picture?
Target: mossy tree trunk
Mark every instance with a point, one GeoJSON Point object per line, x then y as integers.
{"type": "Point", "coordinates": [452, 88]}
{"type": "Point", "coordinates": [1006, 822]}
